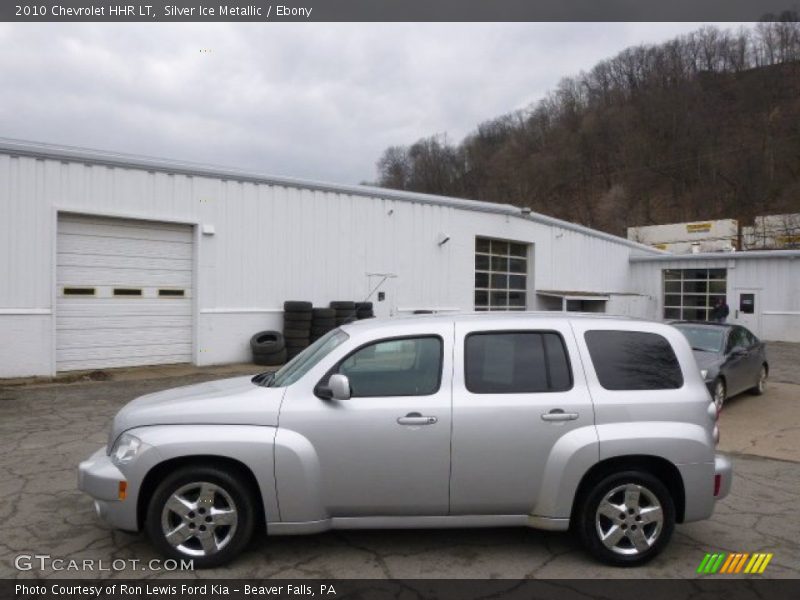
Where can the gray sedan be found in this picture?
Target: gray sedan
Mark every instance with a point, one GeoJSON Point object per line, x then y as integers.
{"type": "Point", "coordinates": [731, 359]}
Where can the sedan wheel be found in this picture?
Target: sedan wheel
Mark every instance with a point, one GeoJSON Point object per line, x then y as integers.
{"type": "Point", "coordinates": [201, 513]}
{"type": "Point", "coordinates": [627, 518]}
{"type": "Point", "coordinates": [761, 385]}
{"type": "Point", "coordinates": [719, 393]}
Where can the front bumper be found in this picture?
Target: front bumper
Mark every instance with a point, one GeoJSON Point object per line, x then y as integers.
{"type": "Point", "coordinates": [100, 479]}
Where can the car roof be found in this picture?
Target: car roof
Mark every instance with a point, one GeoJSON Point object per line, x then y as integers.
{"type": "Point", "coordinates": [483, 317]}
{"type": "Point", "coordinates": [704, 324]}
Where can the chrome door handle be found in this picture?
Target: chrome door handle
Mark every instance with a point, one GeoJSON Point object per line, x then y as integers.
{"type": "Point", "coordinates": [558, 414]}
{"type": "Point", "coordinates": [416, 419]}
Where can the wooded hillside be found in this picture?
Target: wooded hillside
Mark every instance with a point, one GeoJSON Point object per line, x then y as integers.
{"type": "Point", "coordinates": [705, 126]}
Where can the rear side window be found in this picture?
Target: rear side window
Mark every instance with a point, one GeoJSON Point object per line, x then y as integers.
{"type": "Point", "coordinates": [633, 360]}
{"type": "Point", "coordinates": [516, 362]}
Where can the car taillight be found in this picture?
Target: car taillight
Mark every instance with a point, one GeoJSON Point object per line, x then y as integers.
{"type": "Point", "coordinates": [717, 484]}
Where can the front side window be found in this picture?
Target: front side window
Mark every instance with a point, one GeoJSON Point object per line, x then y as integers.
{"type": "Point", "coordinates": [633, 360]}
{"type": "Point", "coordinates": [395, 367]}
{"type": "Point", "coordinates": [514, 362]}
{"type": "Point", "coordinates": [308, 358]}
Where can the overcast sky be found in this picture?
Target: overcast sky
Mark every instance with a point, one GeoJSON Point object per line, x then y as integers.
{"type": "Point", "coordinates": [318, 101]}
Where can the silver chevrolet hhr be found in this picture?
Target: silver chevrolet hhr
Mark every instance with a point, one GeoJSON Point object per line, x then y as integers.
{"type": "Point", "coordinates": [545, 420]}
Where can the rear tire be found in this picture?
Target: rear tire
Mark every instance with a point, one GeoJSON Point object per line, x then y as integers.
{"type": "Point", "coordinates": [761, 384]}
{"type": "Point", "coordinates": [626, 519]}
{"type": "Point", "coordinates": [203, 514]}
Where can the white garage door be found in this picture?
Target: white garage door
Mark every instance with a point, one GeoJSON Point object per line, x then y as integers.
{"type": "Point", "coordinates": [124, 293]}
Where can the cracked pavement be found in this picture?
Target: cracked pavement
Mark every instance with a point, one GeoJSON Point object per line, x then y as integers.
{"type": "Point", "coordinates": [47, 429]}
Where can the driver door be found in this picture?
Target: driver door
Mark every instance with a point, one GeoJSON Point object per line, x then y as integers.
{"type": "Point", "coordinates": [386, 450]}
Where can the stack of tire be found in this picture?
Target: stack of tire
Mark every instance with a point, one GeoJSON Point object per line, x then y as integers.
{"type": "Point", "coordinates": [322, 321]}
{"type": "Point", "coordinates": [269, 348]}
{"type": "Point", "coordinates": [296, 326]}
{"type": "Point", "coordinates": [345, 311]}
{"type": "Point", "coordinates": [364, 310]}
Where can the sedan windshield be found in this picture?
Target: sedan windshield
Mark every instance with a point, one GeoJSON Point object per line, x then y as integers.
{"type": "Point", "coordinates": [307, 359]}
{"type": "Point", "coordinates": [704, 339]}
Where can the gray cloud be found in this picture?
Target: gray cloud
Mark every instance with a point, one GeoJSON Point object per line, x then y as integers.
{"type": "Point", "coordinates": [315, 100]}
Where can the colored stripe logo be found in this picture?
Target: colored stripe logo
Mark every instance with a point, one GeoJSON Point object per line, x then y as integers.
{"type": "Point", "coordinates": [734, 562]}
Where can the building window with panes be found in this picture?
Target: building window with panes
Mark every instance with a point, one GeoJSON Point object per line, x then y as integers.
{"type": "Point", "coordinates": [689, 294]}
{"type": "Point", "coordinates": [501, 273]}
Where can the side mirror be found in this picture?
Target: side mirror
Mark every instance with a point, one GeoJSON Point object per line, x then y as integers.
{"type": "Point", "coordinates": [340, 387]}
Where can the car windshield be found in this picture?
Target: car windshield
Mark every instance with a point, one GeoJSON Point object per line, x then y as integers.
{"type": "Point", "coordinates": [704, 339]}
{"type": "Point", "coordinates": [307, 359]}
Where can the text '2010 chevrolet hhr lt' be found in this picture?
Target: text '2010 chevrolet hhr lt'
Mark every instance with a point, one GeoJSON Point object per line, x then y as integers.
{"type": "Point", "coordinates": [599, 425]}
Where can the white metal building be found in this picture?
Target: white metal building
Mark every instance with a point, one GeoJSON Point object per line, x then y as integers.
{"type": "Point", "coordinates": [109, 260]}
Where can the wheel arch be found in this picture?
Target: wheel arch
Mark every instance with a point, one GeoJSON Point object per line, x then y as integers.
{"type": "Point", "coordinates": [657, 466]}
{"type": "Point", "coordinates": [157, 473]}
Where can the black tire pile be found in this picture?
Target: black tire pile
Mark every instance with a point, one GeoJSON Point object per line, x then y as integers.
{"type": "Point", "coordinates": [269, 348]}
{"type": "Point", "coordinates": [345, 311]}
{"type": "Point", "coordinates": [297, 317]}
{"type": "Point", "coordinates": [303, 324]}
{"type": "Point", "coordinates": [322, 321]}
{"type": "Point", "coordinates": [364, 310]}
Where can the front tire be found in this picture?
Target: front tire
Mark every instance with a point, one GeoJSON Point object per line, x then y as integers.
{"type": "Point", "coordinates": [202, 514]}
{"type": "Point", "coordinates": [626, 519]}
{"type": "Point", "coordinates": [720, 393]}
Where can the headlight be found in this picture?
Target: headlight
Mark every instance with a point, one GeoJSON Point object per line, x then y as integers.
{"type": "Point", "coordinates": [125, 449]}
{"type": "Point", "coordinates": [704, 373]}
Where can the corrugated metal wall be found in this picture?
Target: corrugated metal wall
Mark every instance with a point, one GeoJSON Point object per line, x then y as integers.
{"type": "Point", "coordinates": [776, 281]}
{"type": "Point", "coordinates": [271, 243]}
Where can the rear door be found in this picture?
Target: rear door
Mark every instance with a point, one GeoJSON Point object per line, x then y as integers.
{"type": "Point", "coordinates": [516, 393]}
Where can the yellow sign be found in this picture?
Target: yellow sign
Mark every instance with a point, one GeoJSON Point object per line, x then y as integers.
{"type": "Point", "coordinates": [698, 227]}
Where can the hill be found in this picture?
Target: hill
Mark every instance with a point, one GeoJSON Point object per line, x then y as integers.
{"type": "Point", "coordinates": [704, 126]}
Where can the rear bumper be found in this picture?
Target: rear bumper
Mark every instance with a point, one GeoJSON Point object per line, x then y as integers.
{"type": "Point", "coordinates": [723, 468]}
{"type": "Point", "coordinates": [701, 487]}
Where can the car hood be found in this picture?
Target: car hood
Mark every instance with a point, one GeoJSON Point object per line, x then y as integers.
{"type": "Point", "coordinates": [236, 401]}
{"type": "Point", "coordinates": [707, 360]}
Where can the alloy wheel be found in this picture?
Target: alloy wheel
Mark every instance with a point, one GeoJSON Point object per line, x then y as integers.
{"type": "Point", "coordinates": [199, 519]}
{"type": "Point", "coordinates": [629, 519]}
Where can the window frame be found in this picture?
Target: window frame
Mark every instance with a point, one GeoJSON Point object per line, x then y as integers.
{"type": "Point", "coordinates": [682, 276]}
{"type": "Point", "coordinates": [490, 272]}
{"type": "Point", "coordinates": [547, 362]}
{"type": "Point", "coordinates": [123, 292]}
{"type": "Point", "coordinates": [335, 368]}
{"type": "Point", "coordinates": [77, 291]}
